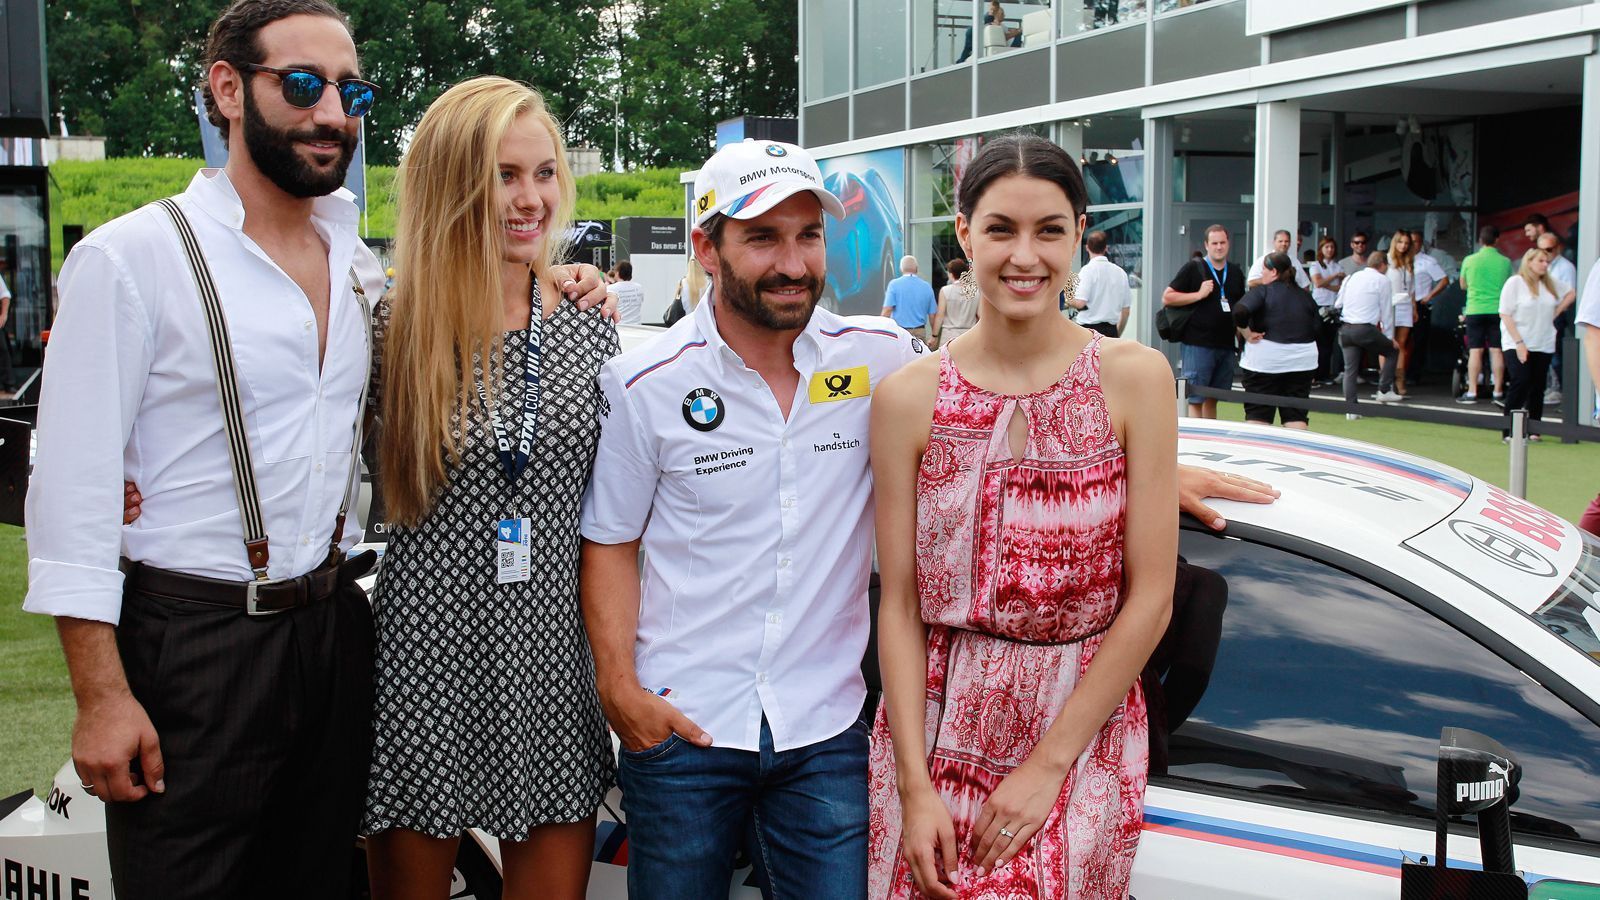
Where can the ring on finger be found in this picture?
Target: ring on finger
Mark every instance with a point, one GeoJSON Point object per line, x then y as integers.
{"type": "Point", "coordinates": [1008, 833]}
{"type": "Point", "coordinates": [87, 788]}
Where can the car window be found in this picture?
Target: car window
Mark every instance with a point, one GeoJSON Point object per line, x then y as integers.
{"type": "Point", "coordinates": [1329, 689]}
{"type": "Point", "coordinates": [1573, 611]}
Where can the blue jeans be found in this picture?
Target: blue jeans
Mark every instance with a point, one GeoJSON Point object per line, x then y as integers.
{"type": "Point", "coordinates": [688, 809]}
{"type": "Point", "coordinates": [1207, 367]}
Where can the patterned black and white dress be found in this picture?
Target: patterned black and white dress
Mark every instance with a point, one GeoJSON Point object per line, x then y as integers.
{"type": "Point", "coordinates": [486, 714]}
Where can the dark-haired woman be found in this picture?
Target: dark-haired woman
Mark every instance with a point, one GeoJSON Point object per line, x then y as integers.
{"type": "Point", "coordinates": [958, 309]}
{"type": "Point", "coordinates": [1025, 487]}
{"type": "Point", "coordinates": [1279, 322]}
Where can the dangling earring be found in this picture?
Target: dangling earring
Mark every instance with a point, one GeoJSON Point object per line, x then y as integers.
{"type": "Point", "coordinates": [1071, 287]}
{"type": "Point", "coordinates": [969, 285]}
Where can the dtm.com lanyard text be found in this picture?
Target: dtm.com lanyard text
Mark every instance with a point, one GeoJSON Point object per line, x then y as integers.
{"type": "Point", "coordinates": [515, 460]}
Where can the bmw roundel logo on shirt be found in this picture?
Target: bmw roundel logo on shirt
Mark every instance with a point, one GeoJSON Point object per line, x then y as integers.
{"type": "Point", "coordinates": [703, 409]}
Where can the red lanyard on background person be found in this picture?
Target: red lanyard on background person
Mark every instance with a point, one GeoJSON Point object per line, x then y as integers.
{"type": "Point", "coordinates": [514, 460]}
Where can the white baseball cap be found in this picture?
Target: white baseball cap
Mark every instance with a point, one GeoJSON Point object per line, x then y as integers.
{"type": "Point", "coordinates": [746, 179]}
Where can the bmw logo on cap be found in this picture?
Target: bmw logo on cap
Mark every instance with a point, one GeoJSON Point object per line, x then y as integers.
{"type": "Point", "coordinates": [703, 409]}
{"type": "Point", "coordinates": [775, 150]}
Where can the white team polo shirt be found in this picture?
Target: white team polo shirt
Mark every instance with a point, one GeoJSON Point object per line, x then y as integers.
{"type": "Point", "coordinates": [757, 531]}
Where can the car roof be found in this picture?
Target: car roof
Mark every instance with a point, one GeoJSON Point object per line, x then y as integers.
{"type": "Point", "coordinates": [1391, 508]}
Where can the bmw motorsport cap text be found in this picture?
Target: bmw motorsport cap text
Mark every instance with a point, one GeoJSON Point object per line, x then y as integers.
{"type": "Point", "coordinates": [746, 179]}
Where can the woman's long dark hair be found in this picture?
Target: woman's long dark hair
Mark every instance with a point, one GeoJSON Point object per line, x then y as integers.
{"type": "Point", "coordinates": [1021, 154]}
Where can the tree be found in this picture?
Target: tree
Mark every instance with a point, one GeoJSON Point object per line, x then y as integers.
{"type": "Point", "coordinates": [417, 51]}
{"type": "Point", "coordinates": [725, 58]}
{"type": "Point", "coordinates": [127, 70]}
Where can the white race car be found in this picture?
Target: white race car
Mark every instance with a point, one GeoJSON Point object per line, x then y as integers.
{"type": "Point", "coordinates": [1382, 599]}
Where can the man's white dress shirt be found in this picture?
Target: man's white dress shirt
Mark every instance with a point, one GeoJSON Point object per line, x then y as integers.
{"type": "Point", "coordinates": [1427, 273]}
{"type": "Point", "coordinates": [1366, 298]}
{"type": "Point", "coordinates": [1104, 286]}
{"type": "Point", "coordinates": [757, 531]}
{"type": "Point", "coordinates": [130, 394]}
{"type": "Point", "coordinates": [1564, 273]}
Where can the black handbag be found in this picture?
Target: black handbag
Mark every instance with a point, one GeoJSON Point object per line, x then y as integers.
{"type": "Point", "coordinates": [1172, 320]}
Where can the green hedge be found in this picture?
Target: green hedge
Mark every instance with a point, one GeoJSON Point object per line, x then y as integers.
{"type": "Point", "coordinates": [93, 193]}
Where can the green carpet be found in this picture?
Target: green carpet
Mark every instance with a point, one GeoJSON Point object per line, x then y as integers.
{"type": "Point", "coordinates": [35, 699]}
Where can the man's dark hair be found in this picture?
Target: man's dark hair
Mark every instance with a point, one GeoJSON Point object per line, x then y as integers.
{"type": "Point", "coordinates": [713, 228]}
{"type": "Point", "coordinates": [1279, 263]}
{"type": "Point", "coordinates": [1283, 231]}
{"type": "Point", "coordinates": [1022, 154]}
{"type": "Point", "coordinates": [1487, 235]}
{"type": "Point", "coordinates": [1359, 234]}
{"type": "Point", "coordinates": [625, 270]}
{"type": "Point", "coordinates": [1096, 242]}
{"type": "Point", "coordinates": [232, 40]}
{"type": "Point", "coordinates": [1537, 219]}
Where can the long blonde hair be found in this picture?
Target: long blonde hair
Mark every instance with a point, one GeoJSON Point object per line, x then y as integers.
{"type": "Point", "coordinates": [1403, 261]}
{"type": "Point", "coordinates": [445, 306]}
{"type": "Point", "coordinates": [694, 285]}
{"type": "Point", "coordinates": [1534, 283]}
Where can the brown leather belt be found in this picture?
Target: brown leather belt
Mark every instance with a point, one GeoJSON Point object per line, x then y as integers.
{"type": "Point", "coordinates": [253, 597]}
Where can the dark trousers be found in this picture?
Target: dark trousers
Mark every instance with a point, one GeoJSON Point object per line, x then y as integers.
{"type": "Point", "coordinates": [1330, 361]}
{"type": "Point", "coordinates": [265, 725]}
{"type": "Point", "coordinates": [1525, 384]}
{"type": "Point", "coordinates": [1357, 339]}
{"type": "Point", "coordinates": [1109, 329]}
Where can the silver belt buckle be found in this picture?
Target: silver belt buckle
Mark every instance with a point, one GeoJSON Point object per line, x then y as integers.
{"type": "Point", "coordinates": [250, 607]}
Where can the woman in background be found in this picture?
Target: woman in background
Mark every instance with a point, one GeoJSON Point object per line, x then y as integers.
{"type": "Point", "coordinates": [1528, 304]}
{"type": "Point", "coordinates": [958, 307]}
{"type": "Point", "coordinates": [1402, 281]}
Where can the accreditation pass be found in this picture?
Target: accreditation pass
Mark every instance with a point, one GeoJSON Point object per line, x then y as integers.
{"type": "Point", "coordinates": [513, 551]}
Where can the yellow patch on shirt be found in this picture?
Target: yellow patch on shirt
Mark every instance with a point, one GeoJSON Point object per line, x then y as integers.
{"type": "Point", "coordinates": [841, 384]}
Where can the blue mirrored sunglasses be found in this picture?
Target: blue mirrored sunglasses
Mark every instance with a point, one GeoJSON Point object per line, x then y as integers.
{"type": "Point", "coordinates": [303, 90]}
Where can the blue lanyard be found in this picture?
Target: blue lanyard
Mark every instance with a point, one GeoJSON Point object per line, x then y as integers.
{"type": "Point", "coordinates": [514, 461]}
{"type": "Point", "coordinates": [1222, 280]}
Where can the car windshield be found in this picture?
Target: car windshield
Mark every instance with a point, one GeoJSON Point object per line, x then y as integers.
{"type": "Point", "coordinates": [1573, 611]}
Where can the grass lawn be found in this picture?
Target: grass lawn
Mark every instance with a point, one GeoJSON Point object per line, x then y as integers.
{"type": "Point", "coordinates": [36, 702]}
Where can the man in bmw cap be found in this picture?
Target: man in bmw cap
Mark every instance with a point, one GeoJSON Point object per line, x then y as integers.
{"type": "Point", "coordinates": [734, 451]}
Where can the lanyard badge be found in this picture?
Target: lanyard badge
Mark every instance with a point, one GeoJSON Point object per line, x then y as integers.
{"type": "Point", "coordinates": [1222, 282]}
{"type": "Point", "coordinates": [514, 460]}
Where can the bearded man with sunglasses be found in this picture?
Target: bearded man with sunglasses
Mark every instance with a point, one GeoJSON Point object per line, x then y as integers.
{"type": "Point", "coordinates": [215, 351]}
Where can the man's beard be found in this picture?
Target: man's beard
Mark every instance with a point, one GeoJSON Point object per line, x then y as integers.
{"type": "Point", "coordinates": [744, 298]}
{"type": "Point", "coordinates": [273, 151]}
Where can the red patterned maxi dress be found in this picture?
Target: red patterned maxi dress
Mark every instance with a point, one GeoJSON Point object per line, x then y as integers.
{"type": "Point", "coordinates": [1019, 571]}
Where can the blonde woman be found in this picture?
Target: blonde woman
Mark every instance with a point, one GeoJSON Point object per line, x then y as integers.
{"type": "Point", "coordinates": [958, 308]}
{"type": "Point", "coordinates": [1529, 301]}
{"type": "Point", "coordinates": [486, 713]}
{"type": "Point", "coordinates": [1402, 282]}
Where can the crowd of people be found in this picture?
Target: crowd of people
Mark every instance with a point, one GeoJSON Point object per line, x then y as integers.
{"type": "Point", "coordinates": [244, 711]}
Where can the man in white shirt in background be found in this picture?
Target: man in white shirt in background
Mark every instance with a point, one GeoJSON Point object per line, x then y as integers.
{"type": "Point", "coordinates": [262, 720]}
{"type": "Point", "coordinates": [630, 296]}
{"type": "Point", "coordinates": [734, 451]}
{"type": "Point", "coordinates": [1102, 294]}
{"type": "Point", "coordinates": [1281, 240]}
{"type": "Point", "coordinates": [1366, 304]}
{"type": "Point", "coordinates": [1565, 275]}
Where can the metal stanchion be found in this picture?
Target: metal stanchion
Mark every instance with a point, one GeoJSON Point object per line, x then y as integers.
{"type": "Point", "coordinates": [1519, 453]}
{"type": "Point", "coordinates": [1183, 396]}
